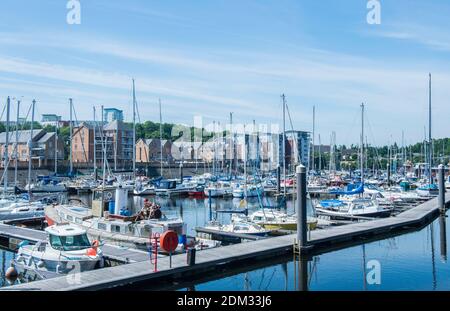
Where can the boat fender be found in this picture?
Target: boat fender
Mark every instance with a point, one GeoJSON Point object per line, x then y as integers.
{"type": "Point", "coordinates": [59, 269]}
{"type": "Point", "coordinates": [11, 274]}
{"type": "Point", "coordinates": [41, 264]}
{"type": "Point", "coordinates": [95, 244]}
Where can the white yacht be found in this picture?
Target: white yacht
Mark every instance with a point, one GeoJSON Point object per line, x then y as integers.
{"type": "Point", "coordinates": [239, 226]}
{"type": "Point", "coordinates": [143, 189]}
{"type": "Point", "coordinates": [21, 210]}
{"type": "Point", "coordinates": [240, 192]}
{"type": "Point", "coordinates": [347, 208]}
{"type": "Point", "coordinates": [117, 225]}
{"type": "Point", "coordinates": [219, 189]}
{"type": "Point", "coordinates": [66, 249]}
{"type": "Point", "coordinates": [173, 187]}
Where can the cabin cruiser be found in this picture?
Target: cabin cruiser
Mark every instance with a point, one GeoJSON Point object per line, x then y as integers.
{"type": "Point", "coordinates": [81, 185]}
{"type": "Point", "coordinates": [219, 189]}
{"type": "Point", "coordinates": [44, 184]}
{"type": "Point", "coordinates": [240, 192]}
{"type": "Point", "coordinates": [275, 220]}
{"type": "Point", "coordinates": [66, 249]}
{"type": "Point", "coordinates": [114, 223]}
{"type": "Point", "coordinates": [143, 189]}
{"type": "Point", "coordinates": [22, 210]}
{"type": "Point", "coordinates": [348, 208]}
{"type": "Point", "coordinates": [428, 190]}
{"type": "Point", "coordinates": [239, 226]}
{"type": "Point", "coordinates": [173, 187]}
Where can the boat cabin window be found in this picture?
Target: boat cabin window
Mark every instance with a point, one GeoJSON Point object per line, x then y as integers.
{"type": "Point", "coordinates": [78, 220]}
{"type": "Point", "coordinates": [115, 228]}
{"type": "Point", "coordinates": [69, 243]}
{"type": "Point", "coordinates": [101, 226]}
{"type": "Point", "coordinates": [69, 218]}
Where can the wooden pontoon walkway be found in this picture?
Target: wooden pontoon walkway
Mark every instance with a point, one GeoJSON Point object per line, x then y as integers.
{"type": "Point", "coordinates": [112, 252]}
{"type": "Point", "coordinates": [208, 260]}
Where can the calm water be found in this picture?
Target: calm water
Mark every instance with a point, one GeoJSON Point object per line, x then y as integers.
{"type": "Point", "coordinates": [414, 261]}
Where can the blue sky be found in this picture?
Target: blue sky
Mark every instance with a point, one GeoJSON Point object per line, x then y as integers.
{"type": "Point", "coordinates": [213, 57]}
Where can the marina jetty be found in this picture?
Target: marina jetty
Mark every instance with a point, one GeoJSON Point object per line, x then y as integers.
{"type": "Point", "coordinates": [194, 265]}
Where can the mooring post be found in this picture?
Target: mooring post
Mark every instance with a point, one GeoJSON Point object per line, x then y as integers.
{"type": "Point", "coordinates": [441, 180]}
{"type": "Point", "coordinates": [301, 208]}
{"type": "Point", "coordinates": [278, 179]}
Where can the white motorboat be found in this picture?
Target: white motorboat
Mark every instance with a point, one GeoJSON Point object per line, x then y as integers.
{"type": "Point", "coordinates": [240, 192]}
{"type": "Point", "coordinates": [429, 190]}
{"type": "Point", "coordinates": [239, 226]}
{"type": "Point", "coordinates": [173, 187]}
{"type": "Point", "coordinates": [117, 225]}
{"type": "Point", "coordinates": [67, 249]}
{"type": "Point", "coordinates": [275, 220]}
{"type": "Point", "coordinates": [22, 210]}
{"type": "Point", "coordinates": [348, 208]}
{"type": "Point", "coordinates": [45, 187]}
{"type": "Point", "coordinates": [144, 189]}
{"type": "Point", "coordinates": [219, 189]}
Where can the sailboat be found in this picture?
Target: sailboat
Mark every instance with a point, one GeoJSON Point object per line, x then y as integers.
{"type": "Point", "coordinates": [353, 203]}
{"type": "Point", "coordinates": [273, 220]}
{"type": "Point", "coordinates": [13, 207]}
{"type": "Point", "coordinates": [429, 189]}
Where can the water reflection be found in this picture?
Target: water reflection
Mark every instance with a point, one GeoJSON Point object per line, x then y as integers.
{"type": "Point", "coordinates": [404, 265]}
{"type": "Point", "coordinates": [443, 237]}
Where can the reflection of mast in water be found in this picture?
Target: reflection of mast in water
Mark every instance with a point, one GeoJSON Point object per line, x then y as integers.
{"type": "Point", "coordinates": [433, 261]}
{"type": "Point", "coordinates": [284, 266]}
{"type": "Point", "coordinates": [364, 267]}
{"type": "Point", "coordinates": [246, 282]}
{"type": "Point", "coordinates": [443, 238]}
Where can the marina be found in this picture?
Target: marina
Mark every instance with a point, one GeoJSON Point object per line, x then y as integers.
{"type": "Point", "coordinates": [206, 260]}
{"type": "Point", "coordinates": [255, 151]}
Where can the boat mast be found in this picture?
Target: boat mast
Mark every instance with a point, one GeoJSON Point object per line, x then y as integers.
{"type": "Point", "coordinates": [95, 142]}
{"type": "Point", "coordinates": [134, 131]}
{"type": "Point", "coordinates": [320, 154]}
{"type": "Point", "coordinates": [160, 137]}
{"type": "Point", "coordinates": [313, 138]}
{"type": "Point", "coordinates": [430, 156]}
{"type": "Point", "coordinates": [6, 157]}
{"type": "Point", "coordinates": [214, 157]}
{"type": "Point", "coordinates": [362, 144]}
{"type": "Point", "coordinates": [104, 146]}
{"type": "Point", "coordinates": [17, 143]}
{"type": "Point", "coordinates": [56, 146]}
{"type": "Point", "coordinates": [30, 149]}
{"type": "Point", "coordinates": [283, 97]}
{"type": "Point", "coordinates": [71, 136]}
{"type": "Point", "coordinates": [231, 144]}
{"type": "Point", "coordinates": [245, 165]}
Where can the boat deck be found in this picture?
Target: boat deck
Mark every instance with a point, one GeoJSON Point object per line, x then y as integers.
{"type": "Point", "coordinates": [208, 260]}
